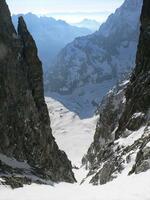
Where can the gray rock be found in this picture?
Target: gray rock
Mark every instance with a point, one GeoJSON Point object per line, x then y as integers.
{"type": "Point", "coordinates": [142, 160]}
{"type": "Point", "coordinates": [25, 132]}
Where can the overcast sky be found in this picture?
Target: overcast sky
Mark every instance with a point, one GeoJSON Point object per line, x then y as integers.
{"type": "Point", "coordinates": [60, 6]}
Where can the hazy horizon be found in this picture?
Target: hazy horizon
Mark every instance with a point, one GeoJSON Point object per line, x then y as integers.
{"type": "Point", "coordinates": [76, 17]}
{"type": "Point", "coordinates": [70, 11]}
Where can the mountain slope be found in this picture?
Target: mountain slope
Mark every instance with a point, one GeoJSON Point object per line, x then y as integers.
{"type": "Point", "coordinates": [122, 138]}
{"type": "Point", "coordinates": [50, 35]}
{"type": "Point", "coordinates": [28, 151]}
{"type": "Point", "coordinates": [73, 134]}
{"type": "Point", "coordinates": [107, 54]}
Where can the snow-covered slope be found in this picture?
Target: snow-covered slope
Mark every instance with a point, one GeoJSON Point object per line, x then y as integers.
{"type": "Point", "coordinates": [73, 118]}
{"type": "Point", "coordinates": [50, 35]}
{"type": "Point", "coordinates": [73, 135]}
{"type": "Point", "coordinates": [124, 188]}
{"type": "Point", "coordinates": [84, 100]}
{"type": "Point", "coordinates": [104, 55]}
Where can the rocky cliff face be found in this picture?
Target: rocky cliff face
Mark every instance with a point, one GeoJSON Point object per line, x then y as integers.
{"type": "Point", "coordinates": [105, 55]}
{"type": "Point", "coordinates": [28, 151]}
{"type": "Point", "coordinates": [122, 139]}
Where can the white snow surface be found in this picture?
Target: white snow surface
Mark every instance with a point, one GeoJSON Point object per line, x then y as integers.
{"type": "Point", "coordinates": [133, 136]}
{"type": "Point", "coordinates": [135, 187]}
{"type": "Point", "coordinates": [148, 145]}
{"type": "Point", "coordinates": [73, 135]}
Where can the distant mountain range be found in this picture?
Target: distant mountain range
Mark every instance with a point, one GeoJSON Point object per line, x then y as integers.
{"type": "Point", "coordinates": [76, 17]}
{"type": "Point", "coordinates": [88, 23]}
{"type": "Point", "coordinates": [50, 35]}
{"type": "Point", "coordinates": [104, 55]}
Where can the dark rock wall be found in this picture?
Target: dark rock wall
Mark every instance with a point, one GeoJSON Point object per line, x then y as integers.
{"type": "Point", "coordinates": [25, 132]}
{"type": "Point", "coordinates": [138, 91]}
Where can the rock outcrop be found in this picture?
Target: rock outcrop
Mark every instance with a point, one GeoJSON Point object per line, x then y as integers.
{"type": "Point", "coordinates": [122, 138]}
{"type": "Point", "coordinates": [28, 151]}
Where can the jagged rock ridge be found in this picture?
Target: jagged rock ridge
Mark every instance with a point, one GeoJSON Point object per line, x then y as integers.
{"type": "Point", "coordinates": [122, 138]}
{"type": "Point", "coordinates": [25, 133]}
{"type": "Point", "coordinates": [107, 54]}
